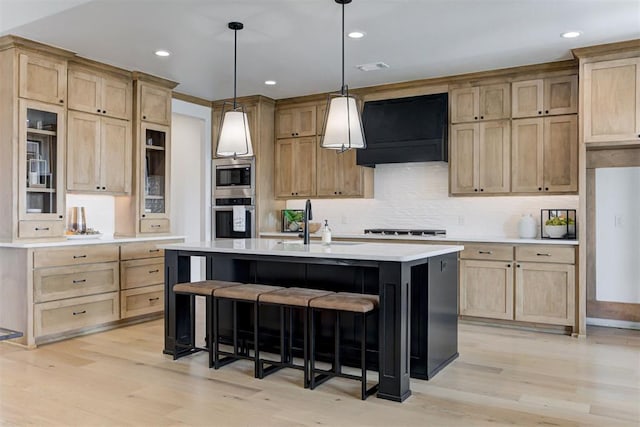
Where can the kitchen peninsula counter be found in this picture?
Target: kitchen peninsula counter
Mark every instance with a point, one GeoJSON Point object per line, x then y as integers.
{"type": "Point", "coordinates": [417, 284]}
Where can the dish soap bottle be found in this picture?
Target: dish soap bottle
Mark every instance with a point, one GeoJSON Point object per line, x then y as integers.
{"type": "Point", "coordinates": [326, 233]}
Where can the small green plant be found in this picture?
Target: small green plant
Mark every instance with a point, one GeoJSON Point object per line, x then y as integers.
{"type": "Point", "coordinates": [293, 216]}
{"type": "Point", "coordinates": [559, 220]}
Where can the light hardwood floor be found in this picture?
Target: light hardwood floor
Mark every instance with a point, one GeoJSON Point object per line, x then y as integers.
{"type": "Point", "coordinates": [503, 377]}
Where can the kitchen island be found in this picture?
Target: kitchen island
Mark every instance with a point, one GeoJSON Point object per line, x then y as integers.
{"type": "Point", "coordinates": [417, 284]}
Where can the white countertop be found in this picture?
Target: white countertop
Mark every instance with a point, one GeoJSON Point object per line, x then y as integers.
{"type": "Point", "coordinates": [452, 239]}
{"type": "Point", "coordinates": [398, 252]}
{"type": "Point", "coordinates": [99, 241]}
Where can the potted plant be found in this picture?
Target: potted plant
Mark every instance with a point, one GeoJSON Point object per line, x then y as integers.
{"type": "Point", "coordinates": [557, 226]}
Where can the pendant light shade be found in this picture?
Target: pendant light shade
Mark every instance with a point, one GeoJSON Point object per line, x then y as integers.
{"type": "Point", "coordinates": [234, 138]}
{"type": "Point", "coordinates": [342, 125]}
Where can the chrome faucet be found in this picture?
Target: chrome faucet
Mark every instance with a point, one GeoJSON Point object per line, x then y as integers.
{"type": "Point", "coordinates": [307, 216]}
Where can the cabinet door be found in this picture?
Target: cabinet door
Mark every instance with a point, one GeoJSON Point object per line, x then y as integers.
{"type": "Point", "coordinates": [465, 105]}
{"type": "Point", "coordinates": [85, 90]}
{"type": "Point", "coordinates": [495, 102]}
{"type": "Point", "coordinates": [612, 101]}
{"type": "Point", "coordinates": [352, 175]}
{"type": "Point", "coordinates": [41, 143]}
{"type": "Point", "coordinates": [116, 98]}
{"type": "Point", "coordinates": [329, 171]}
{"type": "Point", "coordinates": [155, 166]}
{"type": "Point", "coordinates": [306, 121]}
{"type": "Point", "coordinates": [561, 153]}
{"type": "Point", "coordinates": [561, 95]}
{"type": "Point", "coordinates": [285, 123]}
{"type": "Point", "coordinates": [304, 167]}
{"type": "Point", "coordinates": [494, 157]}
{"type": "Point", "coordinates": [527, 154]}
{"type": "Point", "coordinates": [83, 152]}
{"type": "Point", "coordinates": [115, 156]}
{"type": "Point", "coordinates": [43, 79]}
{"type": "Point", "coordinates": [155, 104]}
{"type": "Point", "coordinates": [284, 161]}
{"type": "Point", "coordinates": [527, 98]}
{"type": "Point", "coordinates": [486, 289]}
{"type": "Point", "coordinates": [545, 293]}
{"type": "Point", "coordinates": [463, 165]}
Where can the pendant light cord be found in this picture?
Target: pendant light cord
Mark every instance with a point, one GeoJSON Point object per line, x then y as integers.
{"type": "Point", "coordinates": [235, 64]}
{"type": "Point", "coordinates": [342, 37]}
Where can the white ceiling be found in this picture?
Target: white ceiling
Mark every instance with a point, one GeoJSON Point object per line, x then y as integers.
{"type": "Point", "coordinates": [297, 42]}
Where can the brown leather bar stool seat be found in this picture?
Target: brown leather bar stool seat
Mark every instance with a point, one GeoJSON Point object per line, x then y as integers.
{"type": "Point", "coordinates": [185, 338]}
{"type": "Point", "coordinates": [245, 293]}
{"type": "Point", "coordinates": [341, 302]}
{"type": "Point", "coordinates": [290, 299]}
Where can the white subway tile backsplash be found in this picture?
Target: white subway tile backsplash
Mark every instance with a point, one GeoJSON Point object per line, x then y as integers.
{"type": "Point", "coordinates": [416, 195]}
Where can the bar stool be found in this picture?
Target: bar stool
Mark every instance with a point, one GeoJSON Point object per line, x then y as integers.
{"type": "Point", "coordinates": [247, 293]}
{"type": "Point", "coordinates": [289, 299]}
{"type": "Point", "coordinates": [339, 303]}
{"type": "Point", "coordinates": [203, 288]}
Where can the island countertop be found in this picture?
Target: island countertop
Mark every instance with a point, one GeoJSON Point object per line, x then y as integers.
{"type": "Point", "coordinates": [396, 252]}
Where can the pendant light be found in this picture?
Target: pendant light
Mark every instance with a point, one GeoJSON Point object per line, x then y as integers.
{"type": "Point", "coordinates": [234, 139]}
{"type": "Point", "coordinates": [342, 125]}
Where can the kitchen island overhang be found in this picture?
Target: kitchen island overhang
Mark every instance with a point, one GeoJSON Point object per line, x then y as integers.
{"type": "Point", "coordinates": [416, 332]}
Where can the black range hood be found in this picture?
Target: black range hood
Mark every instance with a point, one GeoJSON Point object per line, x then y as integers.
{"type": "Point", "coordinates": [402, 130]}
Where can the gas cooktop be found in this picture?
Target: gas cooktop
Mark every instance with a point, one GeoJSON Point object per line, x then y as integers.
{"type": "Point", "coordinates": [405, 231]}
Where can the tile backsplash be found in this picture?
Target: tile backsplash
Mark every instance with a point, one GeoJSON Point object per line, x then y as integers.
{"type": "Point", "coordinates": [416, 195]}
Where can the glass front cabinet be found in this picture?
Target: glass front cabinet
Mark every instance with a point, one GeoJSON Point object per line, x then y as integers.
{"type": "Point", "coordinates": [40, 170]}
{"type": "Point", "coordinates": [155, 156]}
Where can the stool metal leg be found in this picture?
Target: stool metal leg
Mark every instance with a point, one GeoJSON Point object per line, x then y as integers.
{"type": "Point", "coordinates": [363, 355]}
{"type": "Point", "coordinates": [235, 328]}
{"type": "Point", "coordinates": [256, 340]}
{"type": "Point", "coordinates": [312, 349]}
{"type": "Point", "coordinates": [336, 357]}
{"type": "Point", "coordinates": [207, 326]}
{"type": "Point", "coordinates": [306, 347]}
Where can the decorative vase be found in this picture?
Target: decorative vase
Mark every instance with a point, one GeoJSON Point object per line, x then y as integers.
{"type": "Point", "coordinates": [527, 227]}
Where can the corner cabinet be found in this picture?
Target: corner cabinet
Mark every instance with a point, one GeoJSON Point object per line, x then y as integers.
{"type": "Point", "coordinates": [611, 112]}
{"type": "Point", "coordinates": [147, 210]}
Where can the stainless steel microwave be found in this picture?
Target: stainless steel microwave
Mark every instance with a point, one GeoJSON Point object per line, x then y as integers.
{"type": "Point", "coordinates": [233, 177]}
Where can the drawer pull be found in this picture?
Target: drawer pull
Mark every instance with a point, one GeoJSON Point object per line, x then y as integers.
{"type": "Point", "coordinates": [75, 313]}
{"type": "Point", "coordinates": [155, 225]}
{"type": "Point", "coordinates": [541, 254]}
{"type": "Point", "coordinates": [42, 228]}
{"type": "Point", "coordinates": [80, 281]}
{"type": "Point", "coordinates": [485, 252]}
{"type": "Point", "coordinates": [154, 250]}
{"type": "Point", "coordinates": [79, 256]}
{"type": "Point", "coordinates": [154, 299]}
{"type": "Point", "coordinates": [153, 271]}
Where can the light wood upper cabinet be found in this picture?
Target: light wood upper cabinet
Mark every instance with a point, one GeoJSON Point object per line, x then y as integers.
{"type": "Point", "coordinates": [542, 97]}
{"type": "Point", "coordinates": [98, 154]}
{"type": "Point", "coordinates": [545, 154]}
{"type": "Point", "coordinates": [296, 122]}
{"type": "Point", "coordinates": [488, 102]}
{"type": "Point", "coordinates": [480, 158]}
{"type": "Point", "coordinates": [100, 94]}
{"type": "Point", "coordinates": [155, 104]}
{"type": "Point", "coordinates": [612, 101]}
{"type": "Point", "coordinates": [43, 79]}
{"type": "Point", "coordinates": [338, 175]}
{"type": "Point", "coordinates": [295, 163]}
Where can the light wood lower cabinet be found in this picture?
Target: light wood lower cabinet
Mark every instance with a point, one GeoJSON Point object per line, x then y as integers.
{"type": "Point", "coordinates": [141, 272]}
{"type": "Point", "coordinates": [140, 301]}
{"type": "Point", "coordinates": [486, 289]}
{"type": "Point", "coordinates": [65, 282]}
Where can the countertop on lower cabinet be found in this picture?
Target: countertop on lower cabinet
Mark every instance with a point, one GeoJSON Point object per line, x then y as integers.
{"type": "Point", "coordinates": [83, 242]}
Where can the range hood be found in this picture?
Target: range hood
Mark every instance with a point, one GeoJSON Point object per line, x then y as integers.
{"type": "Point", "coordinates": [403, 130]}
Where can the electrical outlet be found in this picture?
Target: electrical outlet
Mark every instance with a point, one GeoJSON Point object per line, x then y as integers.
{"type": "Point", "coordinates": [617, 221]}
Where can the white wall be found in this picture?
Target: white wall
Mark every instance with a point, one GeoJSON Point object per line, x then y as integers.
{"type": "Point", "coordinates": [190, 187]}
{"type": "Point", "coordinates": [99, 211]}
{"type": "Point", "coordinates": [618, 234]}
{"type": "Point", "coordinates": [415, 195]}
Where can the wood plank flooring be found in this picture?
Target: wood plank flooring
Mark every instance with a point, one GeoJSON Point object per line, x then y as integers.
{"type": "Point", "coordinates": [503, 377]}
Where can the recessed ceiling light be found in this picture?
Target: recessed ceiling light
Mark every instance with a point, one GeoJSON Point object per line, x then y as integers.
{"type": "Point", "coordinates": [163, 52]}
{"type": "Point", "coordinates": [571, 34]}
{"type": "Point", "coordinates": [270, 82]}
{"type": "Point", "coordinates": [356, 34]}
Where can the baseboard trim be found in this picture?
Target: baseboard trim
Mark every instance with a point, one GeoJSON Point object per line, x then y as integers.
{"type": "Point", "coordinates": [612, 323]}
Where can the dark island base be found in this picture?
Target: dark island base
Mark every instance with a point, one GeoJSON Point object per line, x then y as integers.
{"type": "Point", "coordinates": [432, 298]}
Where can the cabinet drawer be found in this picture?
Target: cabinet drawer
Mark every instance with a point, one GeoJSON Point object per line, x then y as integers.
{"type": "Point", "coordinates": [538, 253]}
{"type": "Point", "coordinates": [489, 252]}
{"type": "Point", "coordinates": [136, 302]}
{"type": "Point", "coordinates": [143, 250]}
{"type": "Point", "coordinates": [75, 313]}
{"type": "Point", "coordinates": [56, 257]}
{"type": "Point", "coordinates": [154, 225]}
{"type": "Point", "coordinates": [65, 282]}
{"type": "Point", "coordinates": [35, 229]}
{"type": "Point", "coordinates": [142, 272]}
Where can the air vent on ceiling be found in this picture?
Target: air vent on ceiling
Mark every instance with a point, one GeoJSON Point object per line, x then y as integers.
{"type": "Point", "coordinates": [372, 66]}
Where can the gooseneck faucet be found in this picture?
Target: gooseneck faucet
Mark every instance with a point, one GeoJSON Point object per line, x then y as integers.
{"type": "Point", "coordinates": [307, 216]}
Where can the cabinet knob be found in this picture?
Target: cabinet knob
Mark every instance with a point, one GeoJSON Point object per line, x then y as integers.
{"type": "Point", "coordinates": [143, 215]}
{"type": "Point", "coordinates": [539, 188]}
{"type": "Point", "coordinates": [518, 265]}
{"type": "Point", "coordinates": [60, 216]}
{"type": "Point", "coordinates": [475, 118]}
{"type": "Point", "coordinates": [539, 112]}
{"type": "Point", "coordinates": [144, 117]}
{"type": "Point", "coordinates": [546, 111]}
{"type": "Point", "coordinates": [339, 192]}
{"type": "Point", "coordinates": [546, 188]}
{"type": "Point", "coordinates": [482, 189]}
{"type": "Point", "coordinates": [62, 101]}
{"type": "Point", "coordinates": [98, 110]}
{"type": "Point", "coordinates": [481, 117]}
{"type": "Point", "coordinates": [104, 188]}
{"type": "Point", "coordinates": [104, 111]}
{"type": "Point", "coordinates": [475, 189]}
{"type": "Point", "coordinates": [97, 187]}
{"type": "Point", "coordinates": [509, 265]}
